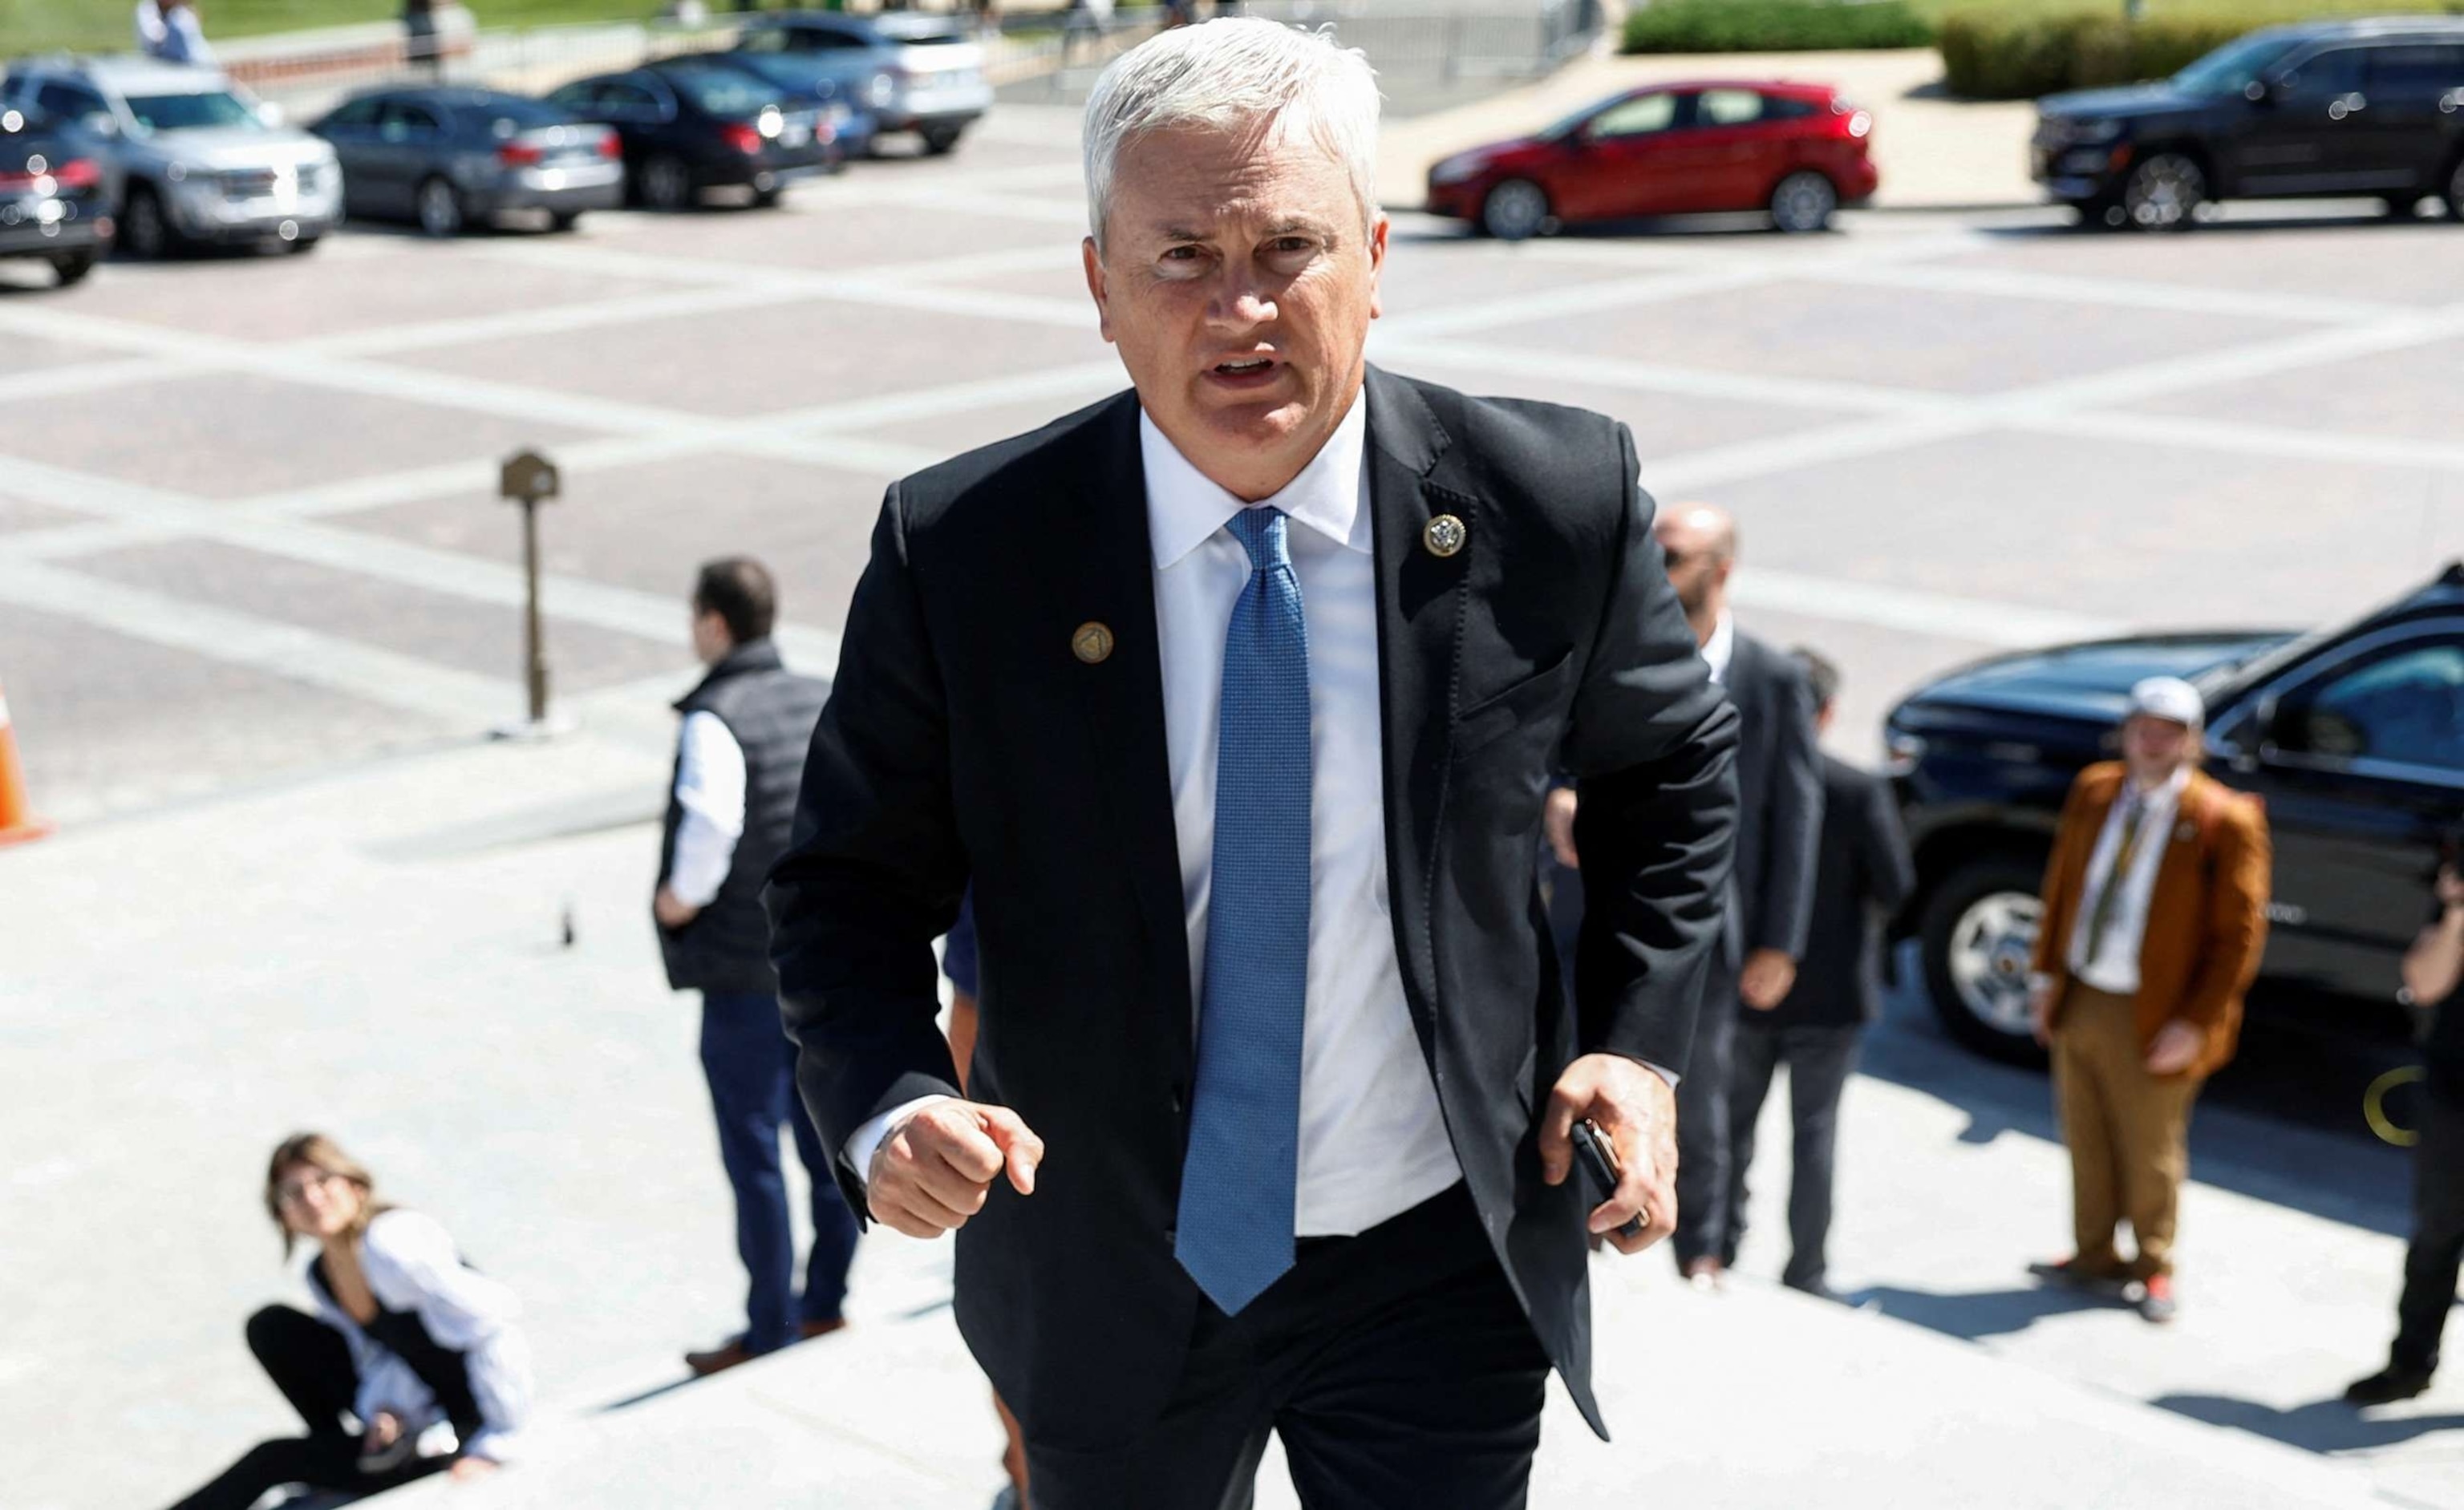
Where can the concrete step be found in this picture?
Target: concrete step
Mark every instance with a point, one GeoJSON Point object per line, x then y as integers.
{"type": "Point", "coordinates": [1747, 1398]}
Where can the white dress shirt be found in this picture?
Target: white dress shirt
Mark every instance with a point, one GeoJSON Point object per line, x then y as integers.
{"type": "Point", "coordinates": [2114, 969]}
{"type": "Point", "coordinates": [1721, 649]}
{"type": "Point", "coordinates": [411, 1264]}
{"type": "Point", "coordinates": [1373, 1142]}
{"type": "Point", "coordinates": [710, 787]}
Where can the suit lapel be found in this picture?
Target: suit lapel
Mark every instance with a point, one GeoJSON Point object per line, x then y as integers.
{"type": "Point", "coordinates": [1121, 698]}
{"type": "Point", "coordinates": [1422, 598]}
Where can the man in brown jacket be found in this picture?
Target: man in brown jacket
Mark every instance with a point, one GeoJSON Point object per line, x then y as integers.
{"type": "Point", "coordinates": [2155, 909]}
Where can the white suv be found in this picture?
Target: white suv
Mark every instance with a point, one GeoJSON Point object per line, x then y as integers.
{"type": "Point", "coordinates": [198, 159]}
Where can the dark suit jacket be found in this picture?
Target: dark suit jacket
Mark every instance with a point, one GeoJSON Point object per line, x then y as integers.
{"type": "Point", "coordinates": [1779, 790]}
{"type": "Point", "coordinates": [1862, 877]}
{"type": "Point", "coordinates": [967, 743]}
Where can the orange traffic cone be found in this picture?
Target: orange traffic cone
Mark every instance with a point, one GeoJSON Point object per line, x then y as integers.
{"type": "Point", "coordinates": [17, 819]}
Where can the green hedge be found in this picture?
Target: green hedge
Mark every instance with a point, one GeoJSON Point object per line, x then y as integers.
{"type": "Point", "coordinates": [1773, 25]}
{"type": "Point", "coordinates": [1995, 55]}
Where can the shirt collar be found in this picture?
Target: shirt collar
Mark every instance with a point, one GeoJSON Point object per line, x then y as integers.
{"type": "Point", "coordinates": [1185, 506]}
{"type": "Point", "coordinates": [1721, 649]}
{"type": "Point", "coordinates": [2171, 791]}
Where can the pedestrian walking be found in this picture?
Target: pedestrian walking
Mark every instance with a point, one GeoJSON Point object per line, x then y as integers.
{"type": "Point", "coordinates": [1862, 874]}
{"type": "Point", "coordinates": [2432, 970]}
{"type": "Point", "coordinates": [1769, 903]}
{"type": "Point", "coordinates": [2154, 915]}
{"type": "Point", "coordinates": [169, 31]}
{"type": "Point", "coordinates": [739, 758]}
{"type": "Point", "coordinates": [407, 1339]}
{"type": "Point", "coordinates": [421, 47]}
{"type": "Point", "coordinates": [1230, 701]}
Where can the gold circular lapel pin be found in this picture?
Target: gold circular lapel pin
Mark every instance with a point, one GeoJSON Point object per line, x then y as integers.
{"type": "Point", "coordinates": [1443, 535]}
{"type": "Point", "coordinates": [1092, 643]}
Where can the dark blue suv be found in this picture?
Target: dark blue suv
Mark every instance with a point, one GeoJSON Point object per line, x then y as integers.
{"type": "Point", "coordinates": [2354, 736]}
{"type": "Point", "coordinates": [2335, 108]}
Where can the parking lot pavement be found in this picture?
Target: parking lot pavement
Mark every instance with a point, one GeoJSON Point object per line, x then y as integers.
{"type": "Point", "coordinates": [248, 545]}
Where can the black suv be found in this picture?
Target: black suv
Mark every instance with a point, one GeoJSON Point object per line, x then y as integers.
{"type": "Point", "coordinates": [53, 201]}
{"type": "Point", "coordinates": [2370, 108]}
{"type": "Point", "coordinates": [2354, 736]}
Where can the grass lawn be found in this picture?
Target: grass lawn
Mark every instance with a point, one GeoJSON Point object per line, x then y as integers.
{"type": "Point", "coordinates": [31, 26]}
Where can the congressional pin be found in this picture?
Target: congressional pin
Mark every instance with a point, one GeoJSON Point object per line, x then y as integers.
{"type": "Point", "coordinates": [1443, 535]}
{"type": "Point", "coordinates": [1092, 644]}
{"type": "Point", "coordinates": [2187, 832]}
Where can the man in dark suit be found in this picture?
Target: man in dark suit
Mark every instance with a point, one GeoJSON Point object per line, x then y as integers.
{"type": "Point", "coordinates": [1771, 900]}
{"type": "Point", "coordinates": [1863, 874]}
{"type": "Point", "coordinates": [1235, 701]}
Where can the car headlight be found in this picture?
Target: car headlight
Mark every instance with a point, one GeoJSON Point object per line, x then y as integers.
{"type": "Point", "coordinates": [2092, 131]}
{"type": "Point", "coordinates": [1902, 751]}
{"type": "Point", "coordinates": [1455, 169]}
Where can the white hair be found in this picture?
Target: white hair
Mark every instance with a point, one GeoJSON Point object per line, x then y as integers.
{"type": "Point", "coordinates": [1226, 74]}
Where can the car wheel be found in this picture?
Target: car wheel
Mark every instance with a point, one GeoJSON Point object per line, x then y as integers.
{"type": "Point", "coordinates": [2402, 207]}
{"type": "Point", "coordinates": [1515, 210]}
{"type": "Point", "coordinates": [563, 220]}
{"type": "Point", "coordinates": [2165, 192]}
{"type": "Point", "coordinates": [440, 209]}
{"type": "Point", "coordinates": [72, 267]}
{"type": "Point", "coordinates": [144, 229]}
{"type": "Point", "coordinates": [666, 185]}
{"type": "Point", "coordinates": [301, 246]}
{"type": "Point", "coordinates": [1978, 933]}
{"type": "Point", "coordinates": [766, 198]}
{"type": "Point", "coordinates": [2456, 190]}
{"type": "Point", "coordinates": [938, 140]}
{"type": "Point", "coordinates": [1803, 203]}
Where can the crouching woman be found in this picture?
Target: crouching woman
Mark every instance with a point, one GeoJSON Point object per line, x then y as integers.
{"type": "Point", "coordinates": [418, 1349]}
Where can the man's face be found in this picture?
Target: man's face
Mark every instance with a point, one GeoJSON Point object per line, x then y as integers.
{"type": "Point", "coordinates": [1239, 286]}
{"type": "Point", "coordinates": [1695, 564]}
{"type": "Point", "coordinates": [711, 641]}
{"type": "Point", "coordinates": [2155, 748]}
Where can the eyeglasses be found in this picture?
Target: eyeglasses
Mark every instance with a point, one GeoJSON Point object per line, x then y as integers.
{"type": "Point", "coordinates": [294, 1191]}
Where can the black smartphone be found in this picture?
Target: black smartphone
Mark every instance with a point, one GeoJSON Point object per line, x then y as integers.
{"type": "Point", "coordinates": [1591, 1152]}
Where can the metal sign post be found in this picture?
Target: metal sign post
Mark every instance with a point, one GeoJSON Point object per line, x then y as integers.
{"type": "Point", "coordinates": [530, 479]}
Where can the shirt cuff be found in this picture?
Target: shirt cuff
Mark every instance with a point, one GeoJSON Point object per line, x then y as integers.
{"type": "Point", "coordinates": [1662, 1071]}
{"type": "Point", "coordinates": [867, 1140]}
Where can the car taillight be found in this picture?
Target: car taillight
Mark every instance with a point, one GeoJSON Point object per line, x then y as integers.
{"type": "Point", "coordinates": [520, 154]}
{"type": "Point", "coordinates": [742, 138]}
{"type": "Point", "coordinates": [1860, 124]}
{"type": "Point", "coordinates": [609, 145]}
{"type": "Point", "coordinates": [78, 172]}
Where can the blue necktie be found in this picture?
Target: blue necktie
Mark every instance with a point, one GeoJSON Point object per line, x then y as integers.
{"type": "Point", "coordinates": [1239, 1180]}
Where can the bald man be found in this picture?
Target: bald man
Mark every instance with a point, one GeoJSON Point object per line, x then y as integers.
{"type": "Point", "coordinates": [1771, 899]}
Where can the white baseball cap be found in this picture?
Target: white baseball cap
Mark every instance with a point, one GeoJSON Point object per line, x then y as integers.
{"type": "Point", "coordinates": [2170, 698]}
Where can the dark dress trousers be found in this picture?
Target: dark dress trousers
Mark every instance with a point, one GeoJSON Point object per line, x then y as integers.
{"type": "Point", "coordinates": [1863, 874]}
{"type": "Point", "coordinates": [976, 736]}
{"type": "Point", "coordinates": [1779, 826]}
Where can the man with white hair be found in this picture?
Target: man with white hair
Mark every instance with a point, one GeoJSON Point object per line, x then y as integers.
{"type": "Point", "coordinates": [1235, 699]}
{"type": "Point", "coordinates": [2155, 913]}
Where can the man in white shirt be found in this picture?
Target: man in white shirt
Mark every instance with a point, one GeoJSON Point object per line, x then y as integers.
{"type": "Point", "coordinates": [740, 759]}
{"type": "Point", "coordinates": [1234, 700]}
{"type": "Point", "coordinates": [168, 31]}
{"type": "Point", "coordinates": [2155, 914]}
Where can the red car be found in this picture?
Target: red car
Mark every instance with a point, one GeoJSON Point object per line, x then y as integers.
{"type": "Point", "coordinates": [1797, 150]}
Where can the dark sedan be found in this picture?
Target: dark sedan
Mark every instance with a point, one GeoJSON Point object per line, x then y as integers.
{"type": "Point", "coordinates": [908, 70]}
{"type": "Point", "coordinates": [52, 205]}
{"type": "Point", "coordinates": [448, 157]}
{"type": "Point", "coordinates": [2353, 108]}
{"type": "Point", "coordinates": [695, 123]}
{"type": "Point", "coordinates": [2353, 736]}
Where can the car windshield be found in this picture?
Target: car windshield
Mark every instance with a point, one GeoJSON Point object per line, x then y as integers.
{"type": "Point", "coordinates": [724, 91]}
{"type": "Point", "coordinates": [188, 112]}
{"type": "Point", "coordinates": [2234, 67]}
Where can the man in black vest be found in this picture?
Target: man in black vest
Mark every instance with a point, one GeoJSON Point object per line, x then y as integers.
{"type": "Point", "coordinates": [1862, 875]}
{"type": "Point", "coordinates": [740, 761]}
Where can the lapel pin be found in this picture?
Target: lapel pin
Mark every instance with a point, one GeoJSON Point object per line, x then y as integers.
{"type": "Point", "coordinates": [2187, 832]}
{"type": "Point", "coordinates": [1092, 643]}
{"type": "Point", "coordinates": [1443, 535]}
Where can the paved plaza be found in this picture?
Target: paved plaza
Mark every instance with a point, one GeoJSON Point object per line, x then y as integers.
{"type": "Point", "coordinates": [259, 607]}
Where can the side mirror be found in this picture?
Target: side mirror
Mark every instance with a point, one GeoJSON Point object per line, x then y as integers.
{"type": "Point", "coordinates": [270, 113]}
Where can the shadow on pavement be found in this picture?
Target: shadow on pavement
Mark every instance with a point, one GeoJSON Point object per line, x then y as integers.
{"type": "Point", "coordinates": [2323, 1426]}
{"type": "Point", "coordinates": [2283, 1123]}
{"type": "Point", "coordinates": [1978, 1314]}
